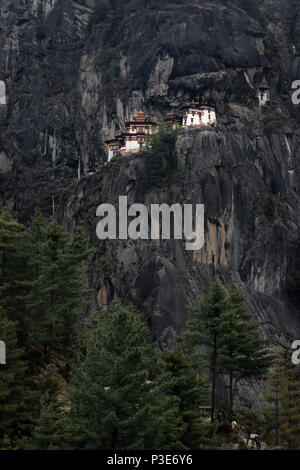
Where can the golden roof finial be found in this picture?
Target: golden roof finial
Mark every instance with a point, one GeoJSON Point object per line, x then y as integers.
{"type": "Point", "coordinates": [194, 104]}
{"type": "Point", "coordinates": [140, 116]}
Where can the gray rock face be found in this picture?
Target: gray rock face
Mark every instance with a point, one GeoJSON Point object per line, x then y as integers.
{"type": "Point", "coordinates": [233, 172]}
{"type": "Point", "coordinates": [72, 80]}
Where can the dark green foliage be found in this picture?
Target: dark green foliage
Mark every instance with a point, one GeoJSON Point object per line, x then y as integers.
{"type": "Point", "coordinates": [205, 328]}
{"type": "Point", "coordinates": [180, 380]}
{"type": "Point", "coordinates": [159, 155]}
{"type": "Point", "coordinates": [243, 353]}
{"type": "Point", "coordinates": [112, 404]}
{"type": "Point", "coordinates": [41, 283]}
{"type": "Point", "coordinates": [56, 294]}
{"type": "Point", "coordinates": [104, 265]}
{"type": "Point", "coordinates": [13, 385]}
{"type": "Point", "coordinates": [123, 395]}
{"type": "Point", "coordinates": [53, 431]}
{"type": "Point", "coordinates": [222, 323]}
{"type": "Point", "coordinates": [13, 266]}
{"type": "Point", "coordinates": [42, 287]}
{"type": "Point", "coordinates": [282, 412]}
{"type": "Point", "coordinates": [225, 415]}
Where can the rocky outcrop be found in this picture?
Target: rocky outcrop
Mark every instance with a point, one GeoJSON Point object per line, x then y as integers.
{"type": "Point", "coordinates": [235, 173]}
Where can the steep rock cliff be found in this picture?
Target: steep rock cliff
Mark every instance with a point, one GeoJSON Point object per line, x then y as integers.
{"type": "Point", "coordinates": [73, 77]}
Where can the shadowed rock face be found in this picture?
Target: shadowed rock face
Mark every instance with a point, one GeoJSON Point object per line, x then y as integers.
{"type": "Point", "coordinates": [73, 81]}
{"type": "Point", "coordinates": [73, 77]}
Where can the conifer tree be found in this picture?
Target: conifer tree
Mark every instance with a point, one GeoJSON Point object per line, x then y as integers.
{"type": "Point", "coordinates": [56, 293]}
{"type": "Point", "coordinates": [36, 237]}
{"type": "Point", "coordinates": [180, 379]}
{"type": "Point", "coordinates": [42, 288]}
{"type": "Point", "coordinates": [272, 413]}
{"type": "Point", "coordinates": [13, 385]}
{"type": "Point", "coordinates": [13, 267]}
{"type": "Point", "coordinates": [114, 405]}
{"type": "Point", "coordinates": [52, 432]}
{"type": "Point", "coordinates": [205, 329]}
{"type": "Point", "coordinates": [243, 354]}
{"type": "Point", "coordinates": [283, 397]}
{"type": "Point", "coordinates": [222, 323]}
{"type": "Point", "coordinates": [79, 254]}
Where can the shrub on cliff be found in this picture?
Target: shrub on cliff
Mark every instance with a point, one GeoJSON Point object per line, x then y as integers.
{"type": "Point", "coordinates": [159, 155]}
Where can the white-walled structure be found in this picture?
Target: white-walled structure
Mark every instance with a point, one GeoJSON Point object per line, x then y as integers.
{"type": "Point", "coordinates": [201, 116]}
{"type": "Point", "coordinates": [263, 96]}
{"type": "Point", "coordinates": [114, 146]}
{"type": "Point", "coordinates": [132, 144]}
{"type": "Point", "coordinates": [263, 93]}
{"type": "Point", "coordinates": [2, 92]}
{"type": "Point", "coordinates": [133, 139]}
{"type": "Point", "coordinates": [111, 154]}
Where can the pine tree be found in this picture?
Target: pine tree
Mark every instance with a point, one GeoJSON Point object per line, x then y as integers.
{"type": "Point", "coordinates": [180, 379]}
{"type": "Point", "coordinates": [283, 397]}
{"type": "Point", "coordinates": [114, 405]}
{"type": "Point", "coordinates": [53, 431]}
{"type": "Point", "coordinates": [243, 354]}
{"type": "Point", "coordinates": [205, 329]}
{"type": "Point", "coordinates": [36, 237]}
{"type": "Point", "coordinates": [78, 256]}
{"type": "Point", "coordinates": [222, 323]}
{"type": "Point", "coordinates": [57, 292]}
{"type": "Point", "coordinates": [42, 287]}
{"type": "Point", "coordinates": [13, 268]}
{"type": "Point", "coordinates": [272, 409]}
{"type": "Point", "coordinates": [13, 384]}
